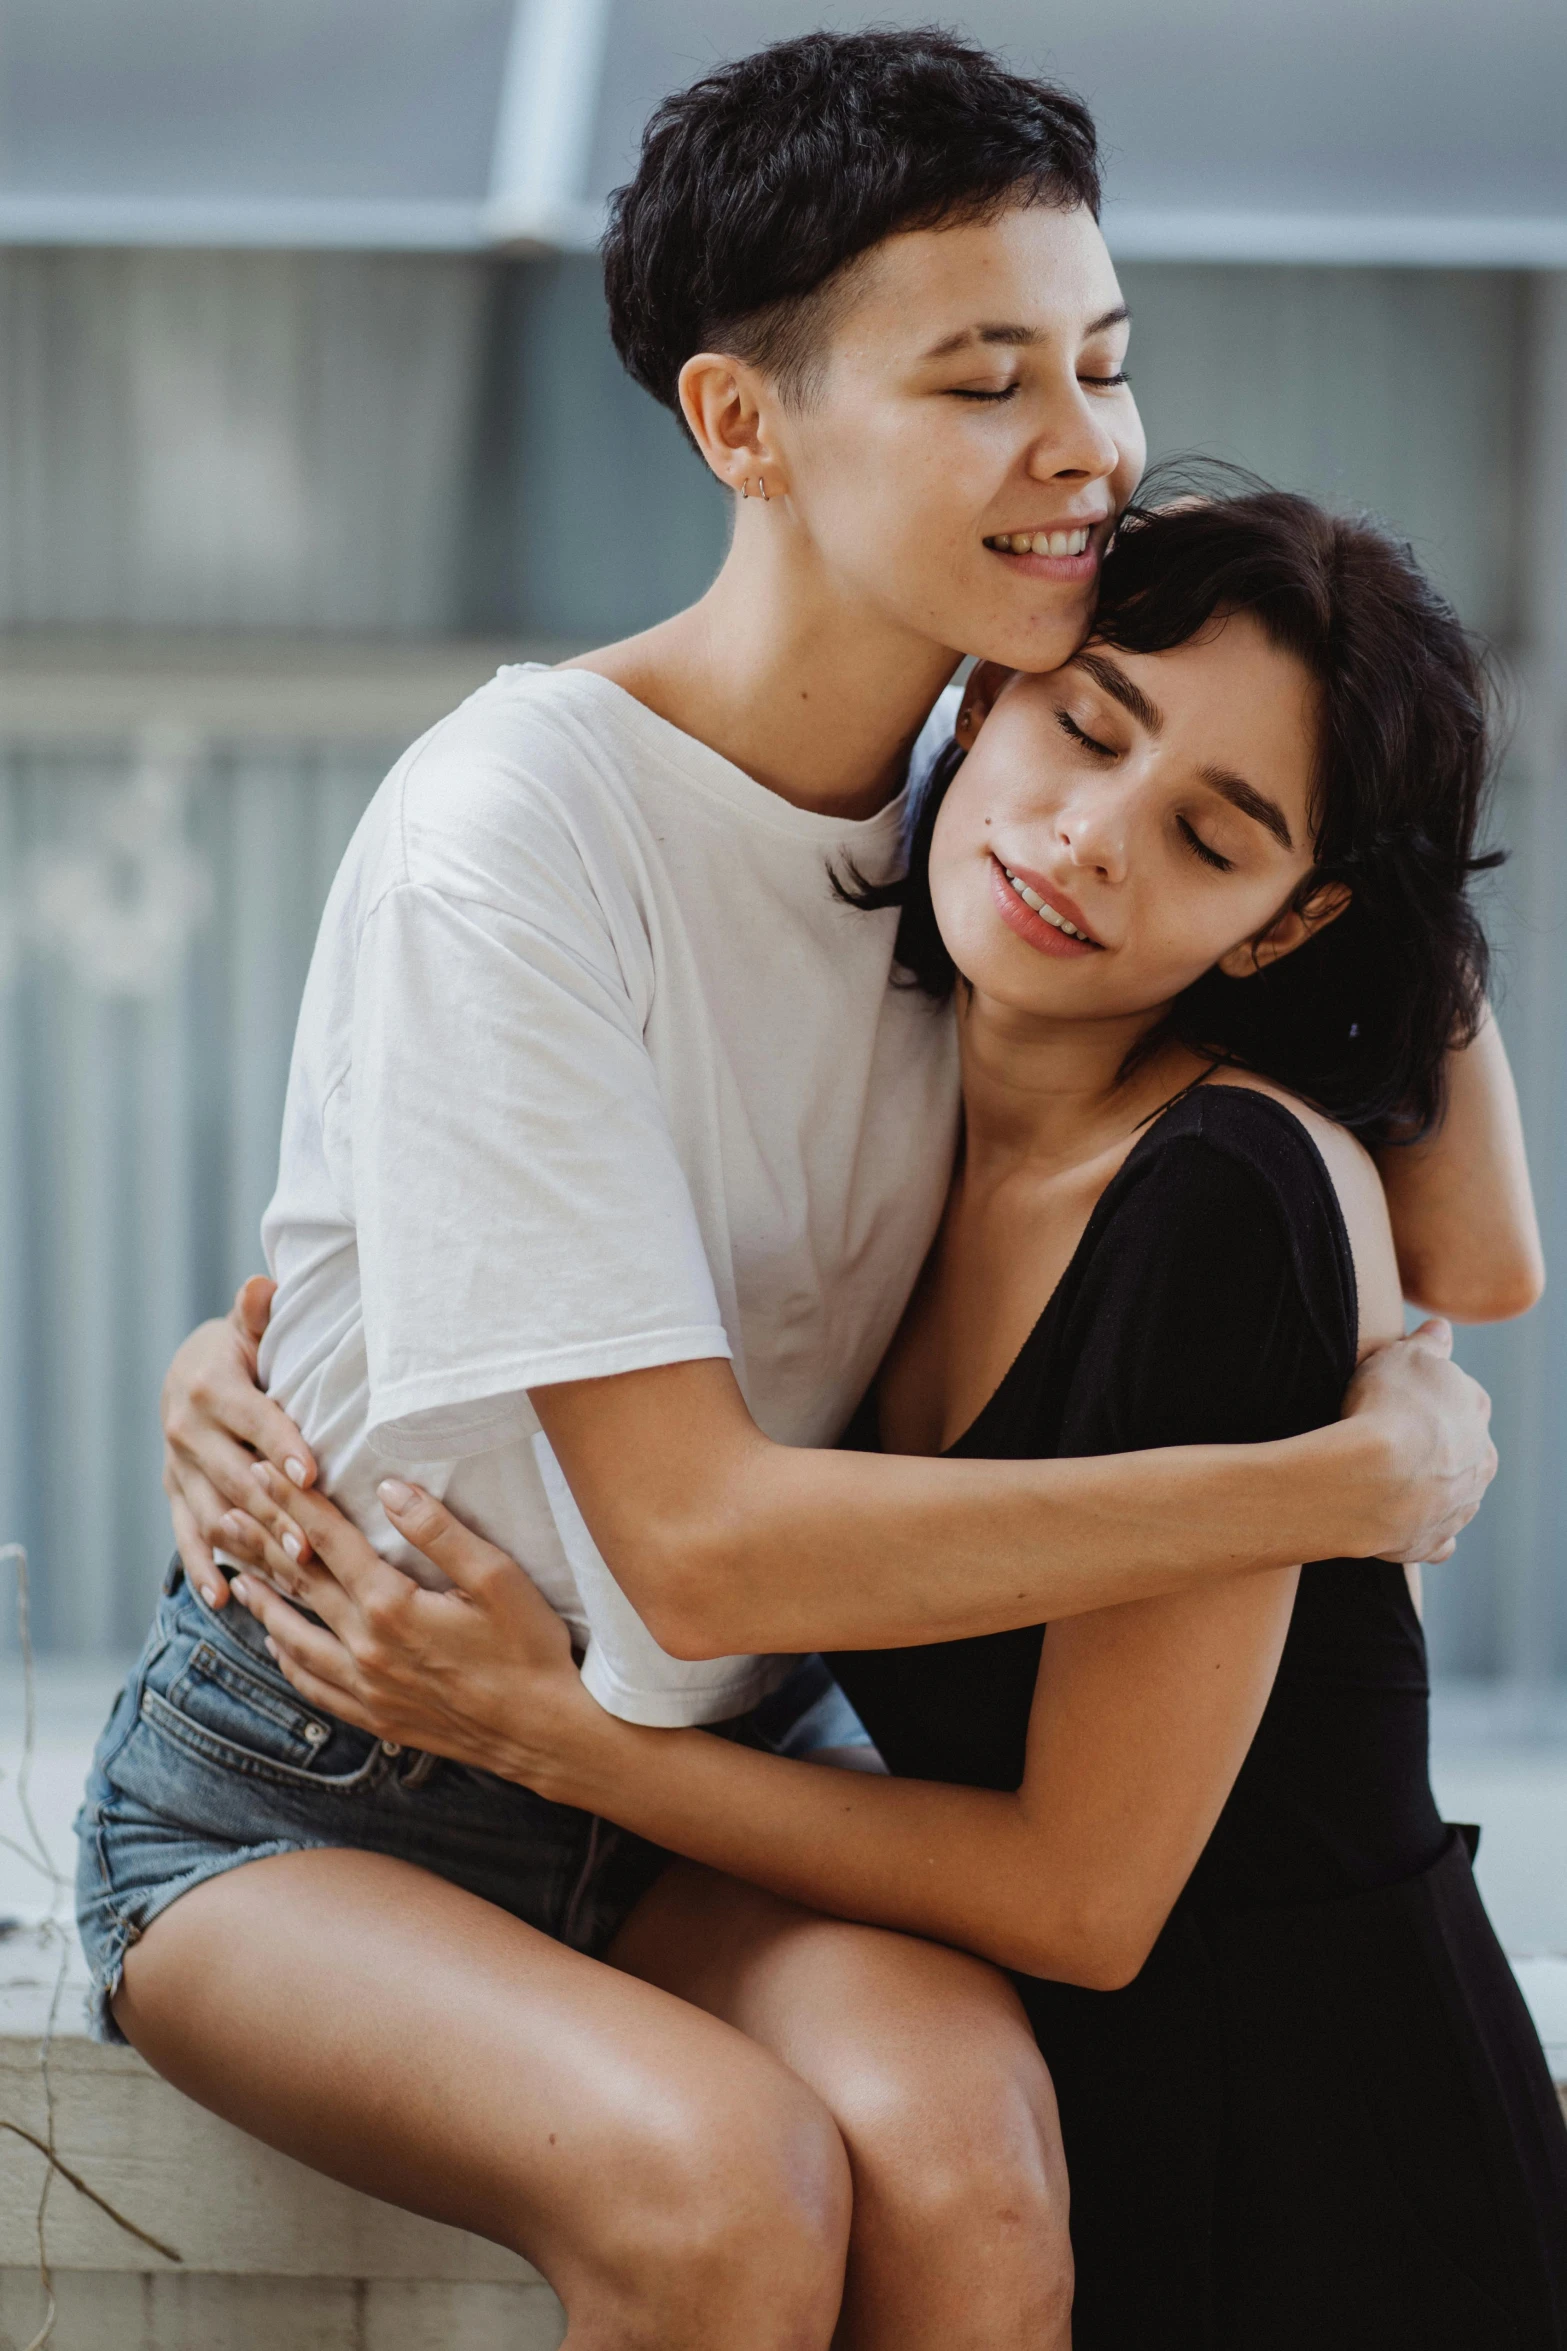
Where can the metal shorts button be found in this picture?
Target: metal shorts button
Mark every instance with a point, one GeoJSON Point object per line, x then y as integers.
{"type": "Point", "coordinates": [390, 1747]}
{"type": "Point", "coordinates": [315, 1732]}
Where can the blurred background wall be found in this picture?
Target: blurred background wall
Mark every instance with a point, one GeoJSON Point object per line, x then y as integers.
{"type": "Point", "coordinates": [308, 417]}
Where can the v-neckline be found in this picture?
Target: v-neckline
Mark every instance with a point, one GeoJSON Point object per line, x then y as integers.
{"type": "Point", "coordinates": [1097, 1216]}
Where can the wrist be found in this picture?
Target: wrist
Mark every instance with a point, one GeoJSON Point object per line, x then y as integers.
{"type": "Point", "coordinates": [553, 1748]}
{"type": "Point", "coordinates": [1352, 1466]}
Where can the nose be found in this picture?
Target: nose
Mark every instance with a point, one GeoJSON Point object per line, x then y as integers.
{"type": "Point", "coordinates": [1092, 827]}
{"type": "Point", "coordinates": [1077, 445]}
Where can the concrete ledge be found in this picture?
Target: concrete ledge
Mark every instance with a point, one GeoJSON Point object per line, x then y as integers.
{"type": "Point", "coordinates": [119, 2311]}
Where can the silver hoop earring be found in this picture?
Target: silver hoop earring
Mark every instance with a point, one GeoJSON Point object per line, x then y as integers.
{"type": "Point", "coordinates": [766, 500]}
{"type": "Point", "coordinates": [745, 486]}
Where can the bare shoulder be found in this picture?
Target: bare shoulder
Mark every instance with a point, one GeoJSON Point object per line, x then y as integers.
{"type": "Point", "coordinates": [1361, 1199]}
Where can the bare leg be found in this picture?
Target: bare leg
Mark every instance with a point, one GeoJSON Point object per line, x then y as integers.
{"type": "Point", "coordinates": [673, 2181]}
{"type": "Point", "coordinates": [923, 2055]}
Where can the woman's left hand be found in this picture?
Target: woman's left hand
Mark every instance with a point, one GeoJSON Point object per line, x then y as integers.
{"type": "Point", "coordinates": [483, 1673]}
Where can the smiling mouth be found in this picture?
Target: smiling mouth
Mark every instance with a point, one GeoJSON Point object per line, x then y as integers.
{"type": "Point", "coordinates": [1041, 542]}
{"type": "Point", "coordinates": [1046, 913]}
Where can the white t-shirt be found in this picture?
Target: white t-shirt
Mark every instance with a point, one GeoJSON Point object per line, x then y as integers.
{"type": "Point", "coordinates": [593, 1073]}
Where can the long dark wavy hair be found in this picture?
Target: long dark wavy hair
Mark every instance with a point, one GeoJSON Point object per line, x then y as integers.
{"type": "Point", "coordinates": [1358, 1020]}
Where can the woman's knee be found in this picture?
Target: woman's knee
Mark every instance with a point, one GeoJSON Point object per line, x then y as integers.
{"type": "Point", "coordinates": [727, 2222]}
{"type": "Point", "coordinates": [963, 2176]}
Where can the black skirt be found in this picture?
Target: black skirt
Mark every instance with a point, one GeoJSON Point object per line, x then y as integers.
{"type": "Point", "coordinates": [1323, 2125]}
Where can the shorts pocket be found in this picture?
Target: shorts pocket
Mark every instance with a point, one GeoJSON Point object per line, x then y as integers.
{"type": "Point", "coordinates": [209, 1699]}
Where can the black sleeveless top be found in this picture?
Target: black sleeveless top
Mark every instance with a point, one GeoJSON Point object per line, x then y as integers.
{"type": "Point", "coordinates": [1320, 2113]}
{"type": "Point", "coordinates": [1211, 1300]}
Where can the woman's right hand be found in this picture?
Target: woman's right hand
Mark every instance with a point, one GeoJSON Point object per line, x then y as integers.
{"type": "Point", "coordinates": [218, 1427]}
{"type": "Point", "coordinates": [1434, 1458]}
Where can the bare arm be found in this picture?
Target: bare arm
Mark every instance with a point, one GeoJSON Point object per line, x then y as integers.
{"type": "Point", "coordinates": [1142, 1717]}
{"type": "Point", "coordinates": [726, 1543]}
{"type": "Point", "coordinates": [1462, 1208]}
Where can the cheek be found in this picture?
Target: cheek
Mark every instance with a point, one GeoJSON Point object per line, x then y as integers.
{"type": "Point", "coordinates": [960, 864]}
{"type": "Point", "coordinates": [1192, 924]}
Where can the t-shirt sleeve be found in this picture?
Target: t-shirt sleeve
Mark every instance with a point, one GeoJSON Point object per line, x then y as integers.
{"type": "Point", "coordinates": [1215, 1309]}
{"type": "Point", "coordinates": [521, 1210]}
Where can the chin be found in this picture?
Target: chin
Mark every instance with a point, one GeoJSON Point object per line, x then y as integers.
{"type": "Point", "coordinates": [1038, 641]}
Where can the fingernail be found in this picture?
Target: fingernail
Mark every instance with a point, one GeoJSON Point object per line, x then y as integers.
{"type": "Point", "coordinates": [233, 1524]}
{"type": "Point", "coordinates": [239, 1588]}
{"type": "Point", "coordinates": [394, 1494]}
{"type": "Point", "coordinates": [271, 1646]}
{"type": "Point", "coordinates": [209, 1593]}
{"type": "Point", "coordinates": [296, 1470]}
{"type": "Point", "coordinates": [293, 1546]}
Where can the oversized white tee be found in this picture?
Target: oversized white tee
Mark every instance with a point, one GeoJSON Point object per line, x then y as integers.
{"type": "Point", "coordinates": [593, 1073]}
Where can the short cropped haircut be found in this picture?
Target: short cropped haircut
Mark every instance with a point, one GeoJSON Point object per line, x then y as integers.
{"type": "Point", "coordinates": [762, 183]}
{"type": "Point", "coordinates": [1359, 1019]}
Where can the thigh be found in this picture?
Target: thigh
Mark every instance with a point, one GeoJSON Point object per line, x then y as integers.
{"type": "Point", "coordinates": [850, 2008]}
{"type": "Point", "coordinates": [925, 2060]}
{"type": "Point", "coordinates": [405, 2036]}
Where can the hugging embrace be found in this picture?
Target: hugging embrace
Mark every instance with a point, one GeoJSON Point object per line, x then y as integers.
{"type": "Point", "coordinates": [739, 1709]}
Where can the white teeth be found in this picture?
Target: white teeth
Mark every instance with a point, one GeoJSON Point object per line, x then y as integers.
{"type": "Point", "coordinates": [1031, 898]}
{"type": "Point", "coordinates": [1042, 542]}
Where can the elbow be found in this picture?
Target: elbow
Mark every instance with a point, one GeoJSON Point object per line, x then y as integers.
{"type": "Point", "coordinates": [1100, 1951]}
{"type": "Point", "coordinates": [1496, 1293]}
{"type": "Point", "coordinates": [676, 1578]}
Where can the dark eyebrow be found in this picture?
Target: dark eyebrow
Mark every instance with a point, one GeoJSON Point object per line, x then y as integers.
{"type": "Point", "coordinates": [1250, 802]}
{"type": "Point", "coordinates": [1223, 780]}
{"type": "Point", "coordinates": [1113, 678]}
{"type": "Point", "coordinates": [1018, 337]}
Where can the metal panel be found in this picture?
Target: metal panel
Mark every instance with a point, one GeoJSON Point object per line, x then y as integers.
{"type": "Point", "coordinates": [199, 440]}
{"type": "Point", "coordinates": [160, 908]}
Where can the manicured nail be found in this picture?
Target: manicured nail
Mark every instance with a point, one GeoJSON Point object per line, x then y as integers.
{"type": "Point", "coordinates": [209, 1593]}
{"type": "Point", "coordinates": [293, 1546]}
{"type": "Point", "coordinates": [296, 1470]}
{"type": "Point", "coordinates": [240, 1589]}
{"type": "Point", "coordinates": [271, 1646]}
{"type": "Point", "coordinates": [233, 1523]}
{"type": "Point", "coordinates": [394, 1494]}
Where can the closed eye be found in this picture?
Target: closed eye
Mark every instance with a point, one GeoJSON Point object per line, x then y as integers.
{"type": "Point", "coordinates": [960, 392]}
{"type": "Point", "coordinates": [1069, 726]}
{"type": "Point", "coordinates": [1202, 850]}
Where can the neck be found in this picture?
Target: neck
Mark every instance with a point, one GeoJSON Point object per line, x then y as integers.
{"type": "Point", "coordinates": [778, 653]}
{"type": "Point", "coordinates": [1051, 1091]}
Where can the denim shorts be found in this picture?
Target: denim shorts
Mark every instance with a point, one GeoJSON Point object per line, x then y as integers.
{"type": "Point", "coordinates": [210, 1759]}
